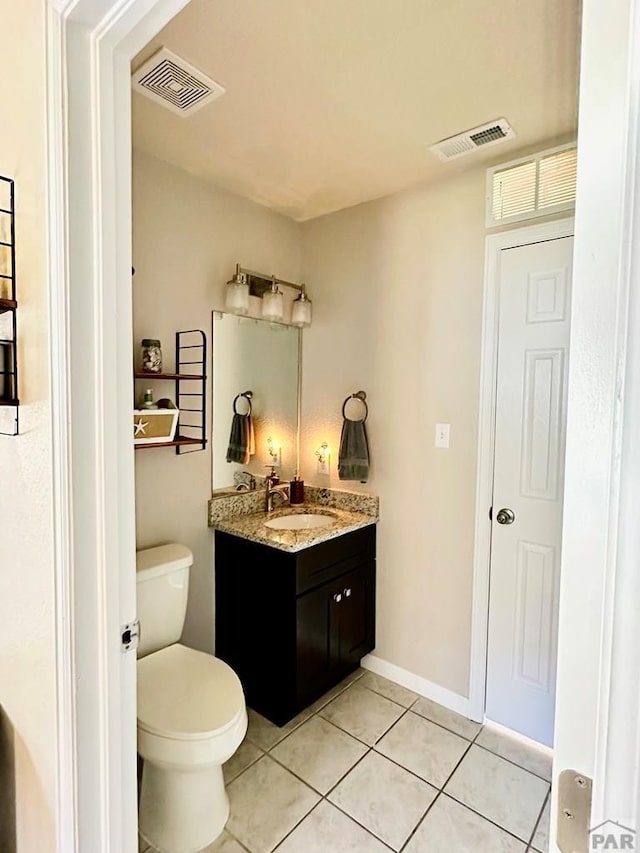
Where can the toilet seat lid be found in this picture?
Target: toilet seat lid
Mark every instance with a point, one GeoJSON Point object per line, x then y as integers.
{"type": "Point", "coordinates": [186, 694]}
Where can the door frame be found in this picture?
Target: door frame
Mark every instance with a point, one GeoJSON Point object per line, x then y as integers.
{"type": "Point", "coordinates": [89, 219]}
{"type": "Point", "coordinates": [89, 46]}
{"type": "Point", "coordinates": [495, 244]}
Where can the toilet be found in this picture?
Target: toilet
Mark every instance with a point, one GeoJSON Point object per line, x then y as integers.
{"type": "Point", "coordinates": [192, 715]}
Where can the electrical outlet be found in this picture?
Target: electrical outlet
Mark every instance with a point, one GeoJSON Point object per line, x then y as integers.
{"type": "Point", "coordinates": [323, 457]}
{"type": "Point", "coordinates": [442, 435]}
{"type": "Point", "coordinates": [323, 466]}
{"type": "Point", "coordinates": [274, 453]}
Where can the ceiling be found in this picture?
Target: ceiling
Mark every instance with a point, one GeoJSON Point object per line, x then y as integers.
{"type": "Point", "coordinates": [330, 103]}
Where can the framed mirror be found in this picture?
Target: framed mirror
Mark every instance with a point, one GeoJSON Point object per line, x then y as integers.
{"type": "Point", "coordinates": [255, 399]}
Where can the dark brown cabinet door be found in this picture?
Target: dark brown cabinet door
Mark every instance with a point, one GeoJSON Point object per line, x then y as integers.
{"type": "Point", "coordinates": [335, 629]}
{"type": "Point", "coordinates": [356, 616]}
{"type": "Point", "coordinates": [317, 642]}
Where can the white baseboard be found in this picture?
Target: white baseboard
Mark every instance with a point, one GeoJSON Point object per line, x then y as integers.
{"type": "Point", "coordinates": [523, 739]}
{"type": "Point", "coordinates": [421, 686]}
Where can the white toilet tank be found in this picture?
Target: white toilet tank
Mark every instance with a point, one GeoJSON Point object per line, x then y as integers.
{"type": "Point", "coordinates": [162, 585]}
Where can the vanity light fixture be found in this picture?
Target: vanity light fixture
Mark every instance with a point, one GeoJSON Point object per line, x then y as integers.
{"type": "Point", "coordinates": [246, 283]}
{"type": "Point", "coordinates": [275, 452]}
{"type": "Point", "coordinates": [236, 299]}
{"type": "Point", "coordinates": [273, 302]}
{"type": "Point", "coordinates": [301, 310]}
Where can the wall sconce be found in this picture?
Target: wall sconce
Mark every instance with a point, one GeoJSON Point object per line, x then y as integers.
{"type": "Point", "coordinates": [245, 283]}
{"type": "Point", "coordinates": [236, 298]}
{"type": "Point", "coordinates": [323, 455]}
{"type": "Point", "coordinates": [273, 302]}
{"type": "Point", "coordinates": [301, 310]}
{"type": "Point", "coordinates": [275, 452]}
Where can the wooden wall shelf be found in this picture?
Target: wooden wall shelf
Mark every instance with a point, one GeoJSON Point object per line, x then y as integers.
{"type": "Point", "coordinates": [191, 351]}
{"type": "Point", "coordinates": [141, 374]}
{"type": "Point", "coordinates": [179, 441]}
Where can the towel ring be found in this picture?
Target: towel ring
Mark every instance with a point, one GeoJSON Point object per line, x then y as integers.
{"type": "Point", "coordinates": [359, 395]}
{"type": "Point", "coordinates": [247, 396]}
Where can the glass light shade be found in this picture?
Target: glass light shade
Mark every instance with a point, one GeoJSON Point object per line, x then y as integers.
{"type": "Point", "coordinates": [236, 297]}
{"type": "Point", "coordinates": [272, 305]}
{"type": "Point", "coordinates": [301, 311]}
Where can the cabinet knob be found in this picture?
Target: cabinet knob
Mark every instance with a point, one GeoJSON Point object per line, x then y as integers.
{"type": "Point", "coordinates": [347, 592]}
{"type": "Point", "coordinates": [337, 597]}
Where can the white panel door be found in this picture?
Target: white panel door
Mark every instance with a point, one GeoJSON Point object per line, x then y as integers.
{"type": "Point", "coordinates": [531, 395]}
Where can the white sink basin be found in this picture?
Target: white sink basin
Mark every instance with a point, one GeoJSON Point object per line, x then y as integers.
{"type": "Point", "coordinates": [300, 521]}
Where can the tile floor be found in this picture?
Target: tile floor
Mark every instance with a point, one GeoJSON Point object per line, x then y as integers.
{"type": "Point", "coordinates": [372, 767]}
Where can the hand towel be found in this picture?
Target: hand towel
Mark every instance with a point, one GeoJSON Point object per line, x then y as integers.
{"type": "Point", "coordinates": [353, 458]}
{"type": "Point", "coordinates": [251, 448]}
{"type": "Point", "coordinates": [239, 439]}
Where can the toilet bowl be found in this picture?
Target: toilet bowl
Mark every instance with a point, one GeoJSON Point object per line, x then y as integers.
{"type": "Point", "coordinates": [191, 718]}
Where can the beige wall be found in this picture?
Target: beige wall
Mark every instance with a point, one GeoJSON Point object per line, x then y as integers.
{"type": "Point", "coordinates": [27, 640]}
{"type": "Point", "coordinates": [397, 286]}
{"type": "Point", "coordinates": [187, 238]}
{"type": "Point", "coordinates": [398, 310]}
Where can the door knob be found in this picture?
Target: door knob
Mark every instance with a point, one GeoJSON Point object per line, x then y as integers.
{"type": "Point", "coordinates": [337, 597]}
{"type": "Point", "coordinates": [505, 516]}
{"type": "Point", "coordinates": [347, 593]}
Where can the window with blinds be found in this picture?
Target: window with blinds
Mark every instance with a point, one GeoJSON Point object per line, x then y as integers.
{"type": "Point", "coordinates": [532, 187]}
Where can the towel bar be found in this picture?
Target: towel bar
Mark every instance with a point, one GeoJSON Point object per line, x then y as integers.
{"type": "Point", "coordinates": [247, 396]}
{"type": "Point", "coordinates": [359, 395]}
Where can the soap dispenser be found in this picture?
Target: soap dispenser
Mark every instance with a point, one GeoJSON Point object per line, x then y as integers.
{"type": "Point", "coordinates": [272, 476]}
{"type": "Point", "coordinates": [296, 491]}
{"type": "Point", "coordinates": [148, 402]}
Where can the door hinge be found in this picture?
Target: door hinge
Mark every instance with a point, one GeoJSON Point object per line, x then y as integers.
{"type": "Point", "coordinates": [574, 811]}
{"type": "Point", "coordinates": [490, 513]}
{"type": "Point", "coordinates": [130, 635]}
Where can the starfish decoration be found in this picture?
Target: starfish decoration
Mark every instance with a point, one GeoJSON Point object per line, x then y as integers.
{"type": "Point", "coordinates": [140, 427]}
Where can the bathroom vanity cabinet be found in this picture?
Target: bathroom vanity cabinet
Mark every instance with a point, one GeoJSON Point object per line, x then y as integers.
{"type": "Point", "coordinates": [292, 625]}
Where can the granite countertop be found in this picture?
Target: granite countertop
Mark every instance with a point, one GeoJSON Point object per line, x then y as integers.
{"type": "Point", "coordinates": [252, 526]}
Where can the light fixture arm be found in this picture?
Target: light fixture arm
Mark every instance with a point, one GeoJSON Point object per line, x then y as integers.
{"type": "Point", "coordinates": [301, 288]}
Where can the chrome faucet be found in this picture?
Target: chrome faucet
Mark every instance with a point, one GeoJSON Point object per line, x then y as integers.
{"type": "Point", "coordinates": [270, 493]}
{"type": "Point", "coordinates": [248, 485]}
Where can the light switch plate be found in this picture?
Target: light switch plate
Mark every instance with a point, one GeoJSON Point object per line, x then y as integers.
{"type": "Point", "coordinates": [442, 435]}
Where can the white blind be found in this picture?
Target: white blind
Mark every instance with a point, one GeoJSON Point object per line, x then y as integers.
{"type": "Point", "coordinates": [514, 191]}
{"type": "Point", "coordinates": [533, 186]}
{"type": "Point", "coordinates": [557, 179]}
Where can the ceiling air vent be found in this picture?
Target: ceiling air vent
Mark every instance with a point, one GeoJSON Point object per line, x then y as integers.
{"type": "Point", "coordinates": [174, 83]}
{"type": "Point", "coordinates": [478, 137]}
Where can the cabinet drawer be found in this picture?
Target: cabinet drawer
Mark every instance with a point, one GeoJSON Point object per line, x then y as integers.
{"type": "Point", "coordinates": [325, 561]}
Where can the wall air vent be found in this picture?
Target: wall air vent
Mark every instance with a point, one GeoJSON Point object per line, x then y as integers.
{"type": "Point", "coordinates": [174, 83]}
{"type": "Point", "coordinates": [478, 137]}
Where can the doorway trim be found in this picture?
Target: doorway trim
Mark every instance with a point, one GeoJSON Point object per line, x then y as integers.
{"type": "Point", "coordinates": [609, 264]}
{"type": "Point", "coordinates": [89, 46]}
{"type": "Point", "coordinates": [494, 245]}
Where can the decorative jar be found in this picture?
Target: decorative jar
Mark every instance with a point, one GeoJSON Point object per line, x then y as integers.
{"type": "Point", "coordinates": [151, 356]}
